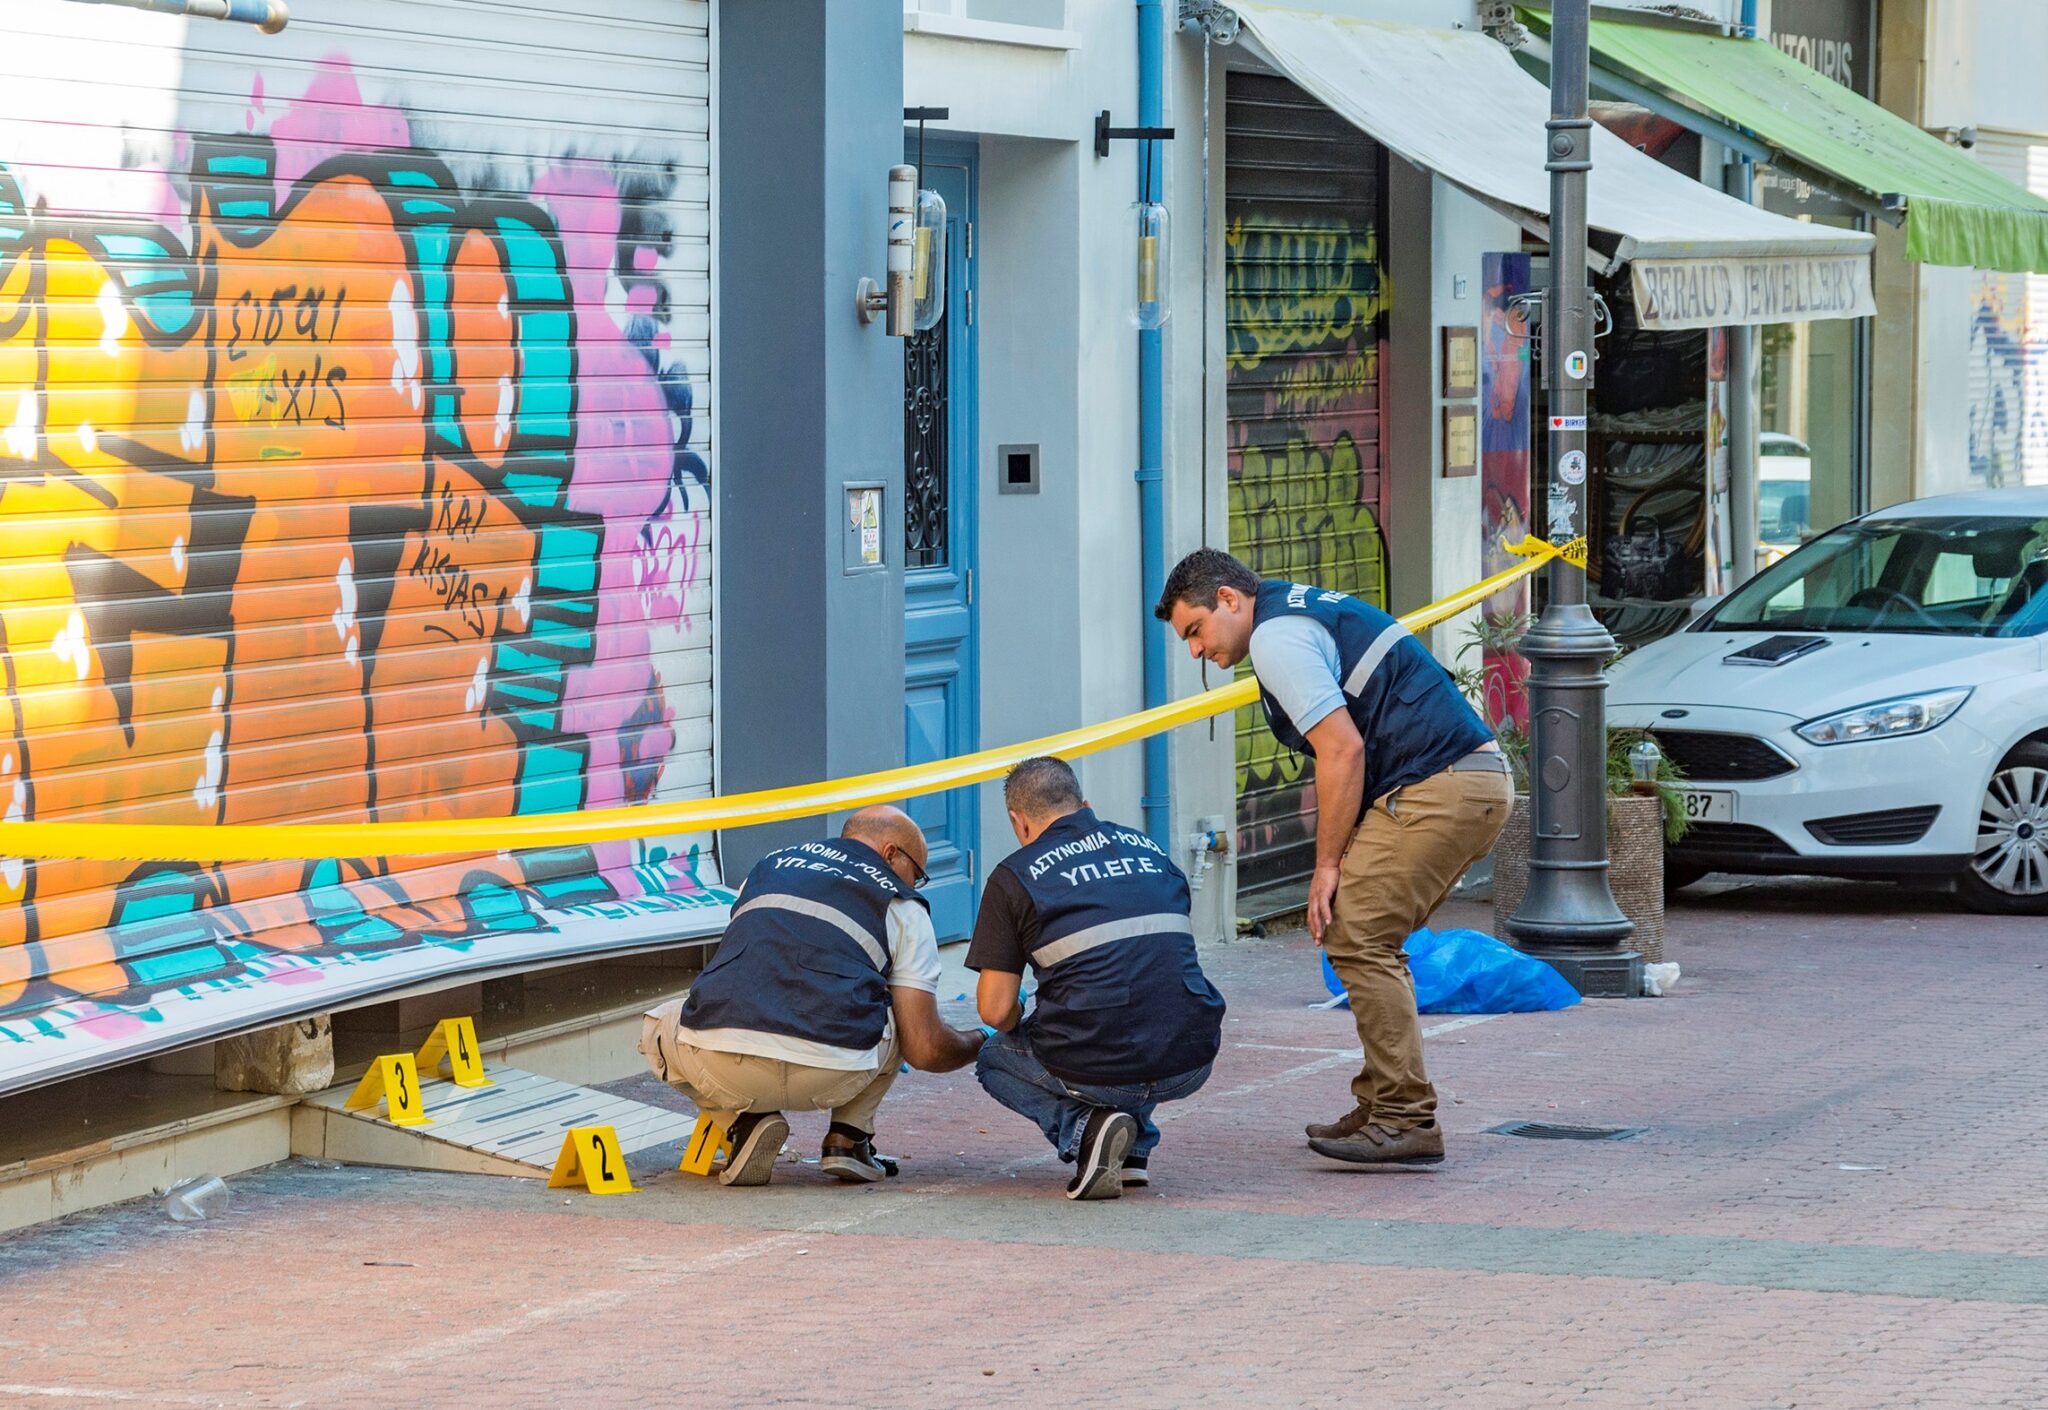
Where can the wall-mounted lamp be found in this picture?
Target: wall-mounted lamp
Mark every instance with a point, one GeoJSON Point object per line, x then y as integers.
{"type": "Point", "coordinates": [268, 15]}
{"type": "Point", "coordinates": [1149, 306]}
{"type": "Point", "coordinates": [915, 299]}
{"type": "Point", "coordinates": [1150, 309]}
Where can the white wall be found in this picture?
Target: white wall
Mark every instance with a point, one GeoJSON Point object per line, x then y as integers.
{"type": "Point", "coordinates": [1062, 609]}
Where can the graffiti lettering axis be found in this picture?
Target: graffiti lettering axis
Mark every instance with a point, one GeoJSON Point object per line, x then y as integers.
{"type": "Point", "coordinates": [351, 501]}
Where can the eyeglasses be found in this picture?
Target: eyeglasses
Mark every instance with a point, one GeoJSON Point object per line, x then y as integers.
{"type": "Point", "coordinates": [922, 878]}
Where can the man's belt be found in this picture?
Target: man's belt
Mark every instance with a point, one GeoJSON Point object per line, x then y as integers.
{"type": "Point", "coordinates": [1481, 761]}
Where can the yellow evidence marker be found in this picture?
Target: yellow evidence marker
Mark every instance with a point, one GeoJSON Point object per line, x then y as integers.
{"type": "Point", "coordinates": [591, 1158]}
{"type": "Point", "coordinates": [706, 1141]}
{"type": "Point", "coordinates": [454, 1041]}
{"type": "Point", "coordinates": [395, 1081]}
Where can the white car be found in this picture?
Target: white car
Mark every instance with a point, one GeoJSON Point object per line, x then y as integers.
{"type": "Point", "coordinates": [1874, 704]}
{"type": "Point", "coordinates": [1784, 482]}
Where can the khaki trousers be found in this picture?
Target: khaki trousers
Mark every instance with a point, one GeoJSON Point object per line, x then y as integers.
{"type": "Point", "coordinates": [725, 1084]}
{"type": "Point", "coordinates": [1409, 850]}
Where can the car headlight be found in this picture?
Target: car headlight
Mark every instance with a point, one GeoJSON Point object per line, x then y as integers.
{"type": "Point", "coordinates": [1885, 719]}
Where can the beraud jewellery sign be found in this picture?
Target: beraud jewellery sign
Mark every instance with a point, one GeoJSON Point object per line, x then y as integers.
{"type": "Point", "coordinates": [1714, 293]}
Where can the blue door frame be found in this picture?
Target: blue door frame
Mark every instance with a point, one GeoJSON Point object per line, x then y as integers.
{"type": "Point", "coordinates": [941, 695]}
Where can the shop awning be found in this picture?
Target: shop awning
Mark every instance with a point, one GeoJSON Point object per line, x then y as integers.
{"type": "Point", "coordinates": [1957, 211]}
{"type": "Point", "coordinates": [1456, 102]}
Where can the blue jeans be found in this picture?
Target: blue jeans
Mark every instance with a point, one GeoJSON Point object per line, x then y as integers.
{"type": "Point", "coordinates": [1011, 1073]}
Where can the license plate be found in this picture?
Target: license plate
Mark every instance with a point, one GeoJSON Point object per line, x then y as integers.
{"type": "Point", "coordinates": [1708, 807]}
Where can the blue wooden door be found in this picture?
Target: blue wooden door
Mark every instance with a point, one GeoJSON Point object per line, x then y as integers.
{"type": "Point", "coordinates": [941, 707]}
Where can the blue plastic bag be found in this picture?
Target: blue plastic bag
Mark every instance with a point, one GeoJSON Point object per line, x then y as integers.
{"type": "Point", "coordinates": [1467, 971]}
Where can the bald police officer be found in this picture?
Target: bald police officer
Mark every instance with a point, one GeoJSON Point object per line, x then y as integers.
{"type": "Point", "coordinates": [826, 978]}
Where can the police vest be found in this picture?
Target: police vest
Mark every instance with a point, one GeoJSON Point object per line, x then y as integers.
{"type": "Point", "coordinates": [1408, 710]}
{"type": "Point", "coordinates": [806, 953]}
{"type": "Point", "coordinates": [1120, 995]}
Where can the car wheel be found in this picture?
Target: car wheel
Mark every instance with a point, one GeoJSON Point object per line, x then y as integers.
{"type": "Point", "coordinates": [2009, 874]}
{"type": "Point", "coordinates": [1679, 875]}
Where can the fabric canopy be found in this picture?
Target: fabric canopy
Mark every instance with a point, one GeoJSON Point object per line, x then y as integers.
{"type": "Point", "coordinates": [1456, 102]}
{"type": "Point", "coordinates": [1957, 210]}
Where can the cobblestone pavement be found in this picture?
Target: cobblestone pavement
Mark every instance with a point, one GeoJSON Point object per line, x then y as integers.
{"type": "Point", "coordinates": [1840, 1200]}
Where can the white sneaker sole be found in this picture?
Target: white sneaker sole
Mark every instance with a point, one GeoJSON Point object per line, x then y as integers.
{"type": "Point", "coordinates": [754, 1161]}
{"type": "Point", "coordinates": [1102, 1160]}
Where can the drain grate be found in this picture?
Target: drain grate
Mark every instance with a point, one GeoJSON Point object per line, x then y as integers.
{"type": "Point", "coordinates": [1543, 1131]}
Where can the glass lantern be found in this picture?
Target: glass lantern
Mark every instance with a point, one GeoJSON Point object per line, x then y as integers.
{"type": "Point", "coordinates": [1150, 309]}
{"type": "Point", "coordinates": [928, 262]}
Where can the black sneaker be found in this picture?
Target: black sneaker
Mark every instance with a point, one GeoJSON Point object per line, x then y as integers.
{"type": "Point", "coordinates": [1105, 1141]}
{"type": "Point", "coordinates": [849, 1154]}
{"type": "Point", "coordinates": [1135, 1172]}
{"type": "Point", "coordinates": [755, 1140]}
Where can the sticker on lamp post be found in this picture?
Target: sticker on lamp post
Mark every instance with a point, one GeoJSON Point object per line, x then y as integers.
{"type": "Point", "coordinates": [1564, 515]}
{"type": "Point", "coordinates": [1575, 365]}
{"type": "Point", "coordinates": [1571, 467]}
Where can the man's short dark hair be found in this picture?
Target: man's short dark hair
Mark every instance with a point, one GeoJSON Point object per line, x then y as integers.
{"type": "Point", "coordinates": [1041, 788]}
{"type": "Point", "coordinates": [1195, 578]}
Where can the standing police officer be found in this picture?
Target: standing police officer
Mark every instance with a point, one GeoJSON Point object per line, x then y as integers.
{"type": "Point", "coordinates": [827, 974]}
{"type": "Point", "coordinates": [1410, 790]}
{"type": "Point", "coordinates": [1125, 1018]}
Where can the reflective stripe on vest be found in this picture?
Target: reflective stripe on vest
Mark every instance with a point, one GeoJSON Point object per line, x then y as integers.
{"type": "Point", "coordinates": [1121, 995]}
{"type": "Point", "coordinates": [818, 910]}
{"type": "Point", "coordinates": [1408, 710]}
{"type": "Point", "coordinates": [806, 954]}
{"type": "Point", "coordinates": [1108, 933]}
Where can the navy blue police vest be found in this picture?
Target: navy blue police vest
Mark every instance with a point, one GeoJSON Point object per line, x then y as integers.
{"type": "Point", "coordinates": [1121, 997]}
{"type": "Point", "coordinates": [806, 953]}
{"type": "Point", "coordinates": [1407, 708]}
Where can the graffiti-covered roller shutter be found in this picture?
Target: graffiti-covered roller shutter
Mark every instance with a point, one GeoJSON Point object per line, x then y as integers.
{"type": "Point", "coordinates": [2009, 343]}
{"type": "Point", "coordinates": [1306, 329]}
{"type": "Point", "coordinates": [353, 466]}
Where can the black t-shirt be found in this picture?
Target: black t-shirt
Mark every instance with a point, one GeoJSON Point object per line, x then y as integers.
{"type": "Point", "coordinates": [1006, 929]}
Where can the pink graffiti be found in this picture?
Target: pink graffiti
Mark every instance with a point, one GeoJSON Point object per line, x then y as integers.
{"type": "Point", "coordinates": [330, 119]}
{"type": "Point", "coordinates": [622, 475]}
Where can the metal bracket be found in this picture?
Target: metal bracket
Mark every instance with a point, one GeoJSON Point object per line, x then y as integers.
{"type": "Point", "coordinates": [1570, 144]}
{"type": "Point", "coordinates": [1217, 21]}
{"type": "Point", "coordinates": [1105, 134]}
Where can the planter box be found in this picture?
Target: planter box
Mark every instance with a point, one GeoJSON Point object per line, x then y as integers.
{"type": "Point", "coordinates": [1635, 852]}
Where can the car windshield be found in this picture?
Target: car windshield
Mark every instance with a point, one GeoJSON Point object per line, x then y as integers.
{"type": "Point", "coordinates": [1983, 576]}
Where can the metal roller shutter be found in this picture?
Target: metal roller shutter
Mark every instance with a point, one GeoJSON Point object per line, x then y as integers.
{"type": "Point", "coordinates": [2009, 343]}
{"type": "Point", "coordinates": [354, 387]}
{"type": "Point", "coordinates": [1306, 329]}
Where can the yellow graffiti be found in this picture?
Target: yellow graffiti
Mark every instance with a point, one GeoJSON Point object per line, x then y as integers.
{"type": "Point", "coordinates": [1291, 288]}
{"type": "Point", "coordinates": [1311, 387]}
{"type": "Point", "coordinates": [1296, 512]}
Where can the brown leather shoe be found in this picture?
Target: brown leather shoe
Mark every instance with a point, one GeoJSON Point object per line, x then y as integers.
{"type": "Point", "coordinates": [1349, 1124]}
{"type": "Point", "coordinates": [1374, 1144]}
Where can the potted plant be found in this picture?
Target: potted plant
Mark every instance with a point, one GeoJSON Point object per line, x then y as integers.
{"type": "Point", "coordinates": [1639, 824]}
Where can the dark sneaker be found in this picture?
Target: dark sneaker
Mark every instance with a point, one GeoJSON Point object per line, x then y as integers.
{"type": "Point", "coordinates": [756, 1139]}
{"type": "Point", "coordinates": [849, 1154]}
{"type": "Point", "coordinates": [1135, 1172]}
{"type": "Point", "coordinates": [1378, 1145]}
{"type": "Point", "coordinates": [1349, 1124]}
{"type": "Point", "coordinates": [1105, 1141]}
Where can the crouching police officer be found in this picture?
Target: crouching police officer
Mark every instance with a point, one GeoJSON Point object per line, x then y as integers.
{"type": "Point", "coordinates": [1125, 1018]}
{"type": "Point", "coordinates": [826, 977]}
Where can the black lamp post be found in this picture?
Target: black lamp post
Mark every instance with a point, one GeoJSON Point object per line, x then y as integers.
{"type": "Point", "coordinates": [1568, 916]}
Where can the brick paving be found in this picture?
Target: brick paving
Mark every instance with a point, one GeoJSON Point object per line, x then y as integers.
{"type": "Point", "coordinates": [1841, 1200]}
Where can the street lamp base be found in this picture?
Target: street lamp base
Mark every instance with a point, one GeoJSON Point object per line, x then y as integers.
{"type": "Point", "coordinates": [1598, 974]}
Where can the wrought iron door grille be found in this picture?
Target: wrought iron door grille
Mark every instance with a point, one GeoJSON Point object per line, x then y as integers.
{"type": "Point", "coordinates": [926, 490]}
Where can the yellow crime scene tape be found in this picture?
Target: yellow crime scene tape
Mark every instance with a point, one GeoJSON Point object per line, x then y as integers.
{"type": "Point", "coordinates": [284, 842]}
